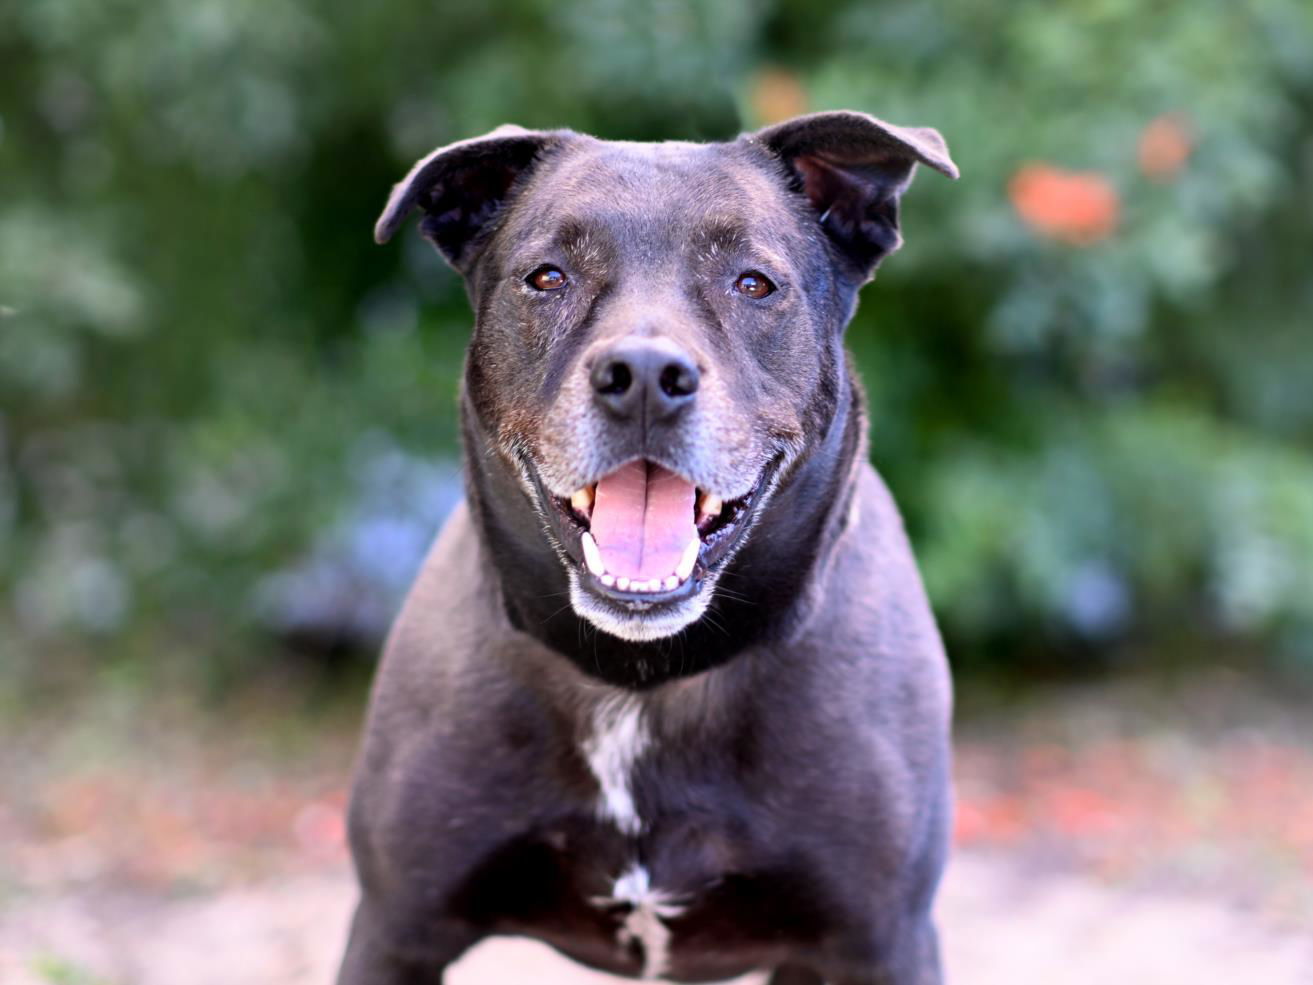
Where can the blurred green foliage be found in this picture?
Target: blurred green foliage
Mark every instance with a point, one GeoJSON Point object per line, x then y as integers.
{"type": "Point", "coordinates": [1089, 368]}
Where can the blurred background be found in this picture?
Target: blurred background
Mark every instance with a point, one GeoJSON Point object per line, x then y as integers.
{"type": "Point", "coordinates": [227, 434]}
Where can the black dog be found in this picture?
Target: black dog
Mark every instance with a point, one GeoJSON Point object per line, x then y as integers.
{"type": "Point", "coordinates": [667, 694]}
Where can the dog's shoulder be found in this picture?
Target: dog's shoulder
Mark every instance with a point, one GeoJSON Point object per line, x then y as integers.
{"type": "Point", "coordinates": [872, 644]}
{"type": "Point", "coordinates": [433, 654]}
{"type": "Point", "coordinates": [869, 595]}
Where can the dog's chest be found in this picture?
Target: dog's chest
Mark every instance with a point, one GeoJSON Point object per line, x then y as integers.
{"type": "Point", "coordinates": [665, 872]}
{"type": "Point", "coordinates": [643, 913]}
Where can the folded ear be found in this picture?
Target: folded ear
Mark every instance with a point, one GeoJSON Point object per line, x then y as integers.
{"type": "Point", "coordinates": [460, 188]}
{"type": "Point", "coordinates": [854, 168]}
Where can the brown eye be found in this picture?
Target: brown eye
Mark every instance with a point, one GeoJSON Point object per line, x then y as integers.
{"type": "Point", "coordinates": [754, 284]}
{"type": "Point", "coordinates": [546, 279]}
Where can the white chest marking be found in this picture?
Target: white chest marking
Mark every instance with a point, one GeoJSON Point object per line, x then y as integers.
{"type": "Point", "coordinates": [618, 738]}
{"type": "Point", "coordinates": [645, 922]}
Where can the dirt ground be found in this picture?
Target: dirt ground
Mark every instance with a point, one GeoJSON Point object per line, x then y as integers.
{"type": "Point", "coordinates": [1104, 836]}
{"type": "Point", "coordinates": [1000, 925]}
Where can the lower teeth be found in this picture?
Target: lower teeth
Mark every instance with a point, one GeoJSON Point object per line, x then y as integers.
{"type": "Point", "coordinates": [593, 562]}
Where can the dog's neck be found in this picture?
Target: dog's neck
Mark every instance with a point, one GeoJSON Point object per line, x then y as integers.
{"type": "Point", "coordinates": [760, 596]}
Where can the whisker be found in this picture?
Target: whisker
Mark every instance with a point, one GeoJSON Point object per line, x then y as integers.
{"type": "Point", "coordinates": [557, 613]}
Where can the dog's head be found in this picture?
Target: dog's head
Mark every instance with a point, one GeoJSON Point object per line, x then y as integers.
{"type": "Point", "coordinates": [658, 330]}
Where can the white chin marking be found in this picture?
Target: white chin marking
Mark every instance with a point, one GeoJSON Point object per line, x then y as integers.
{"type": "Point", "coordinates": [639, 627]}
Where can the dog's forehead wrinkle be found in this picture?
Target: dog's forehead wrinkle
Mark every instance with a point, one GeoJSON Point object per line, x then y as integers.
{"type": "Point", "coordinates": [631, 157]}
{"type": "Point", "coordinates": [581, 237]}
{"type": "Point", "coordinates": [676, 180]}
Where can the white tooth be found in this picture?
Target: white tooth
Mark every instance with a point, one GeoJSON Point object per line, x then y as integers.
{"type": "Point", "coordinates": [622, 583]}
{"type": "Point", "coordinates": [608, 580]}
{"type": "Point", "coordinates": [670, 582]}
{"type": "Point", "coordinates": [592, 556]}
{"type": "Point", "coordinates": [685, 566]}
{"type": "Point", "coordinates": [582, 499]}
{"type": "Point", "coordinates": [709, 504]}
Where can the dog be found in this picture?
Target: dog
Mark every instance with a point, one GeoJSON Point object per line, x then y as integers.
{"type": "Point", "coordinates": [667, 693]}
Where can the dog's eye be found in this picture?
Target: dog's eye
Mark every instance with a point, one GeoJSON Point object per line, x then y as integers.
{"type": "Point", "coordinates": [754, 284]}
{"type": "Point", "coordinates": [546, 279]}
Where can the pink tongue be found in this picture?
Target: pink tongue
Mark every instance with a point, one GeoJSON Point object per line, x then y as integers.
{"type": "Point", "coordinates": [642, 520]}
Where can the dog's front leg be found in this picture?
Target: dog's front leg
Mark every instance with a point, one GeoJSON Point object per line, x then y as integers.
{"type": "Point", "coordinates": [373, 958]}
{"type": "Point", "coordinates": [911, 959]}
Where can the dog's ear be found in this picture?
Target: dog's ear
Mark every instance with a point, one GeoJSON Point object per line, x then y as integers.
{"type": "Point", "coordinates": [854, 168]}
{"type": "Point", "coordinates": [460, 188]}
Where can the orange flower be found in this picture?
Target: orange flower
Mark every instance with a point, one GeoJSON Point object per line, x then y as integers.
{"type": "Point", "coordinates": [989, 819]}
{"type": "Point", "coordinates": [1164, 147]}
{"type": "Point", "coordinates": [1076, 207]}
{"type": "Point", "coordinates": [776, 95]}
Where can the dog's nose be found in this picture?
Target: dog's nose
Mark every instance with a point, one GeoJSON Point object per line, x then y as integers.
{"type": "Point", "coordinates": [652, 377]}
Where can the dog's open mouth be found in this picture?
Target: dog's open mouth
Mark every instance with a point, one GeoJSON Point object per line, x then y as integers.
{"type": "Point", "coordinates": [646, 534]}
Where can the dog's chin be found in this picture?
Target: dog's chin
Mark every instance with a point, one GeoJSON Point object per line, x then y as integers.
{"type": "Point", "coordinates": [654, 621]}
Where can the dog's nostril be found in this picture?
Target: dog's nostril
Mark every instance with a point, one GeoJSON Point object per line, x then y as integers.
{"type": "Point", "coordinates": [615, 378]}
{"type": "Point", "coordinates": [678, 380]}
{"type": "Point", "coordinates": [622, 378]}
